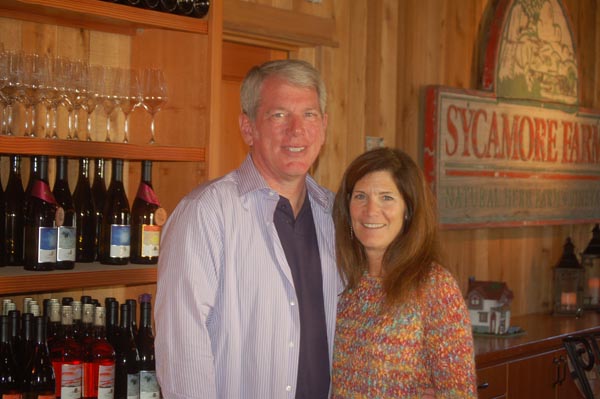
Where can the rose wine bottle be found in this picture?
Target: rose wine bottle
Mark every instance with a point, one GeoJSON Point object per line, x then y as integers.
{"type": "Point", "coordinates": [42, 215]}
{"type": "Point", "coordinates": [40, 381]}
{"type": "Point", "coordinates": [66, 233]}
{"type": "Point", "coordinates": [115, 234]}
{"type": "Point", "coordinates": [67, 359]}
{"type": "Point", "coordinates": [85, 215]}
{"type": "Point", "coordinates": [147, 217]}
{"type": "Point", "coordinates": [99, 362]}
{"type": "Point", "coordinates": [13, 215]}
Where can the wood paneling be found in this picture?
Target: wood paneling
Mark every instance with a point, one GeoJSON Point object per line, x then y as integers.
{"type": "Point", "coordinates": [387, 52]}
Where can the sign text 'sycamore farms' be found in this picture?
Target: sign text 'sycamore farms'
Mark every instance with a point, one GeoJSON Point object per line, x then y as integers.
{"type": "Point", "coordinates": [493, 163]}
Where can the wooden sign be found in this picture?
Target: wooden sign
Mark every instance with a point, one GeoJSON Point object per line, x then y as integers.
{"type": "Point", "coordinates": [520, 151]}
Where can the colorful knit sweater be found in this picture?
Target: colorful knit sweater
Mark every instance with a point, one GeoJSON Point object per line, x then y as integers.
{"type": "Point", "coordinates": [423, 343]}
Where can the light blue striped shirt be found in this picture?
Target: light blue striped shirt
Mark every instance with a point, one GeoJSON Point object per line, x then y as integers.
{"type": "Point", "coordinates": [227, 320]}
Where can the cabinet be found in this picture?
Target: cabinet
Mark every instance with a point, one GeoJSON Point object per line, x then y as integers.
{"type": "Point", "coordinates": [186, 49]}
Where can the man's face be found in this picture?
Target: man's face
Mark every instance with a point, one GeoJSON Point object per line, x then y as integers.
{"type": "Point", "coordinates": [288, 132]}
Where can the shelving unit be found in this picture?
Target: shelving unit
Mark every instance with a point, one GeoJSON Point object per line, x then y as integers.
{"type": "Point", "coordinates": [187, 49]}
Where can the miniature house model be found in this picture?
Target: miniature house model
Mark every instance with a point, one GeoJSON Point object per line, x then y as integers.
{"type": "Point", "coordinates": [489, 306]}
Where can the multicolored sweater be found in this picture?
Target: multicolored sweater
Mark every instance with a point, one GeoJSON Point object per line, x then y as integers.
{"type": "Point", "coordinates": [423, 343]}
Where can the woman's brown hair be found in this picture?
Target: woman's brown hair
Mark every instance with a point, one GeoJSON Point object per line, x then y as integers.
{"type": "Point", "coordinates": [410, 255]}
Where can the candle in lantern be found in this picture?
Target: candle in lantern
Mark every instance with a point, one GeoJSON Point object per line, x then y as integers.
{"type": "Point", "coordinates": [568, 300]}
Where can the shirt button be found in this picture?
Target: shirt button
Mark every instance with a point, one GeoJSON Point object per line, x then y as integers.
{"type": "Point", "coordinates": [291, 344]}
{"type": "Point", "coordinates": [288, 388]}
{"type": "Point", "coordinates": [292, 303]}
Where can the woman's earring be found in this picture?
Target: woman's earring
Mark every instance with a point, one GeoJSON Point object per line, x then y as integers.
{"type": "Point", "coordinates": [351, 233]}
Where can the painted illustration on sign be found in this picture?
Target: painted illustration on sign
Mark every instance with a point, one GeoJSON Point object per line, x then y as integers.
{"type": "Point", "coordinates": [519, 151]}
{"type": "Point", "coordinates": [537, 59]}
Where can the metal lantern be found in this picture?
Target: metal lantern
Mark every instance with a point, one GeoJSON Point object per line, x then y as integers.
{"type": "Point", "coordinates": [568, 282]}
{"type": "Point", "coordinates": [590, 260]}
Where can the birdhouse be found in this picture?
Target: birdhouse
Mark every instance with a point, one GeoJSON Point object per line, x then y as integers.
{"type": "Point", "coordinates": [488, 303]}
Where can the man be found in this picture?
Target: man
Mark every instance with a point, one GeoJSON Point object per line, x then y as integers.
{"type": "Point", "coordinates": [247, 284]}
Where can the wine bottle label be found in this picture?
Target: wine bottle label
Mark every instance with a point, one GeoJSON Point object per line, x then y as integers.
{"type": "Point", "coordinates": [150, 240]}
{"type": "Point", "coordinates": [41, 190]}
{"type": "Point", "coordinates": [120, 240]}
{"type": "Point", "coordinates": [47, 244]}
{"type": "Point", "coordinates": [146, 193]}
{"type": "Point", "coordinates": [106, 381]}
{"type": "Point", "coordinates": [66, 246]}
{"type": "Point", "coordinates": [160, 216]}
{"type": "Point", "coordinates": [148, 385]}
{"type": "Point", "coordinates": [70, 383]}
{"type": "Point", "coordinates": [11, 396]}
{"type": "Point", "coordinates": [133, 386]}
{"type": "Point", "coordinates": [42, 396]}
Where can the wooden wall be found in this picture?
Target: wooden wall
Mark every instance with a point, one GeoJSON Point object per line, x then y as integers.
{"type": "Point", "coordinates": [387, 51]}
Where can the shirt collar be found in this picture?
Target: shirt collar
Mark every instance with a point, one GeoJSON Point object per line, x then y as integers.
{"type": "Point", "coordinates": [250, 179]}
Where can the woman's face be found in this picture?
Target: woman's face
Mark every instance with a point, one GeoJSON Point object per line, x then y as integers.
{"type": "Point", "coordinates": [377, 211]}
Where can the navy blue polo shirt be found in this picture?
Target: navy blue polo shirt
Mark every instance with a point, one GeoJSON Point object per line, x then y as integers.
{"type": "Point", "coordinates": [299, 240]}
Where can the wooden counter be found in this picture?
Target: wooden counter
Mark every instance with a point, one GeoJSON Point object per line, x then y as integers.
{"type": "Point", "coordinates": [543, 332]}
{"type": "Point", "coordinates": [533, 364]}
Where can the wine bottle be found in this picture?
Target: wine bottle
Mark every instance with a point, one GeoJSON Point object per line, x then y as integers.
{"type": "Point", "coordinates": [9, 383]}
{"type": "Point", "coordinates": [2, 227]}
{"type": "Point", "coordinates": [77, 314]}
{"type": "Point", "coordinates": [67, 359]}
{"type": "Point", "coordinates": [13, 215]}
{"type": "Point", "coordinates": [34, 174]}
{"type": "Point", "coordinates": [99, 198]}
{"type": "Point", "coordinates": [145, 341]}
{"type": "Point", "coordinates": [185, 7]}
{"type": "Point", "coordinates": [168, 5]}
{"type": "Point", "coordinates": [66, 233]}
{"type": "Point", "coordinates": [127, 359]}
{"type": "Point", "coordinates": [27, 336]}
{"type": "Point", "coordinates": [147, 217]}
{"type": "Point", "coordinates": [115, 234]}
{"type": "Point", "coordinates": [200, 8]}
{"type": "Point", "coordinates": [40, 381]}
{"type": "Point", "coordinates": [99, 362]}
{"type": "Point", "coordinates": [133, 311]}
{"type": "Point", "coordinates": [53, 320]}
{"type": "Point", "coordinates": [112, 321]}
{"type": "Point", "coordinates": [42, 215]}
{"type": "Point", "coordinates": [16, 343]}
{"type": "Point", "coordinates": [151, 4]}
{"type": "Point", "coordinates": [85, 215]}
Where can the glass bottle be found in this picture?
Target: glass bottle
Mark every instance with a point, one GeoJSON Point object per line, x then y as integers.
{"type": "Point", "coordinates": [99, 198]}
{"type": "Point", "coordinates": [133, 311]}
{"type": "Point", "coordinates": [2, 227]}
{"type": "Point", "coordinates": [40, 381]}
{"type": "Point", "coordinates": [145, 341]}
{"type": "Point", "coordinates": [127, 359]}
{"type": "Point", "coordinates": [42, 214]}
{"type": "Point", "coordinates": [99, 362]}
{"type": "Point", "coordinates": [112, 321]}
{"type": "Point", "coordinates": [66, 233]}
{"type": "Point", "coordinates": [85, 214]}
{"type": "Point", "coordinates": [13, 215]}
{"type": "Point", "coordinates": [27, 336]}
{"type": "Point", "coordinates": [115, 234]}
{"type": "Point", "coordinates": [147, 217]}
{"type": "Point", "coordinates": [9, 383]}
{"type": "Point", "coordinates": [16, 342]}
{"type": "Point", "coordinates": [67, 359]}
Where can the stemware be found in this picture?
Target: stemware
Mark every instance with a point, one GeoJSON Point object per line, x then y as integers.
{"type": "Point", "coordinates": [108, 95]}
{"type": "Point", "coordinates": [92, 95]}
{"type": "Point", "coordinates": [129, 95]}
{"type": "Point", "coordinates": [154, 96]}
{"type": "Point", "coordinates": [3, 81]}
{"type": "Point", "coordinates": [12, 87]}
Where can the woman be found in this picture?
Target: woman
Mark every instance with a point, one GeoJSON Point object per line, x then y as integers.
{"type": "Point", "coordinates": [403, 329]}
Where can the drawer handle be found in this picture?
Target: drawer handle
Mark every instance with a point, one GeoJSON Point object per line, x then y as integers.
{"type": "Point", "coordinates": [485, 385]}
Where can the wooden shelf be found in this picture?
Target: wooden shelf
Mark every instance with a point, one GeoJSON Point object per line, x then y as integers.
{"type": "Point", "coordinates": [16, 280]}
{"type": "Point", "coordinates": [99, 15]}
{"type": "Point", "coordinates": [94, 149]}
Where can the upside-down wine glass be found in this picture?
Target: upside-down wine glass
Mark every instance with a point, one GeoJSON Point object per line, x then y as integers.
{"type": "Point", "coordinates": [154, 96]}
{"type": "Point", "coordinates": [129, 94]}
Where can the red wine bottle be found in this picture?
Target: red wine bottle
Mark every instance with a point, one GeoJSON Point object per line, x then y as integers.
{"type": "Point", "coordinates": [127, 359]}
{"type": "Point", "coordinates": [85, 215]}
{"type": "Point", "coordinates": [40, 381]}
{"type": "Point", "coordinates": [9, 382]}
{"type": "Point", "coordinates": [66, 233]}
{"type": "Point", "coordinates": [99, 197]}
{"type": "Point", "coordinates": [42, 215]}
{"type": "Point", "coordinates": [13, 215]}
{"type": "Point", "coordinates": [147, 217]}
{"type": "Point", "coordinates": [67, 358]}
{"type": "Point", "coordinates": [145, 343]}
{"type": "Point", "coordinates": [99, 362]}
{"type": "Point", "coordinates": [115, 235]}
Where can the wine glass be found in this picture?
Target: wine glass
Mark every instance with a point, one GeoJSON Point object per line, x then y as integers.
{"type": "Point", "coordinates": [108, 95]}
{"type": "Point", "coordinates": [92, 95]}
{"type": "Point", "coordinates": [129, 93]}
{"type": "Point", "coordinates": [154, 95]}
